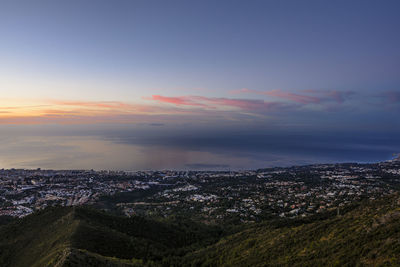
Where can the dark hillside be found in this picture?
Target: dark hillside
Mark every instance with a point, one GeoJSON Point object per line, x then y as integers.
{"type": "Point", "coordinates": [51, 236]}
{"type": "Point", "coordinates": [363, 235]}
{"type": "Point", "coordinates": [366, 236]}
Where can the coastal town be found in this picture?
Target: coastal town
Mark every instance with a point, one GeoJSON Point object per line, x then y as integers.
{"type": "Point", "coordinates": [207, 196]}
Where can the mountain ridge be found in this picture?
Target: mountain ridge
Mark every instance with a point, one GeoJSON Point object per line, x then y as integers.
{"type": "Point", "coordinates": [366, 235]}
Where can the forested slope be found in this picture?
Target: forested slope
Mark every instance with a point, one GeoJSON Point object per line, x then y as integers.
{"type": "Point", "coordinates": [368, 235]}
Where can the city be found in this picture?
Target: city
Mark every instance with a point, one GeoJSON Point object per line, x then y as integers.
{"type": "Point", "coordinates": [206, 196]}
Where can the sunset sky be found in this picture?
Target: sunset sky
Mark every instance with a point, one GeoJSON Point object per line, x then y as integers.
{"type": "Point", "coordinates": [198, 84]}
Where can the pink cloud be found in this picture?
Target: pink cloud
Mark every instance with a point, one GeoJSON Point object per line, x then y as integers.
{"type": "Point", "coordinates": [219, 103]}
{"type": "Point", "coordinates": [179, 101]}
{"type": "Point", "coordinates": [244, 104]}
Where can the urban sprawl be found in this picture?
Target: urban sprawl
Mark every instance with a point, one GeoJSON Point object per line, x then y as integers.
{"type": "Point", "coordinates": [207, 196]}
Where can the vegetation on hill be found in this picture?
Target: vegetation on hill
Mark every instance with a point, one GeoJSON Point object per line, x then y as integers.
{"type": "Point", "coordinates": [5, 219]}
{"type": "Point", "coordinates": [68, 235]}
{"type": "Point", "coordinates": [366, 235]}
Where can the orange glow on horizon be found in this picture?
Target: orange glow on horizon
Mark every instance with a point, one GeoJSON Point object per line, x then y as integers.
{"type": "Point", "coordinates": [76, 112]}
{"type": "Point", "coordinates": [90, 112]}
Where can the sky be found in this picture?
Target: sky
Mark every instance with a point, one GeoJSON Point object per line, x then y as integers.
{"type": "Point", "coordinates": [198, 84]}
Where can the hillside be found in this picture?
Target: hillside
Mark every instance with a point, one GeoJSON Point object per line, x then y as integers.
{"type": "Point", "coordinates": [367, 235]}
{"type": "Point", "coordinates": [66, 236]}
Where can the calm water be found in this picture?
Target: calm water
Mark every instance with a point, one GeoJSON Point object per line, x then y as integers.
{"type": "Point", "coordinates": [159, 147]}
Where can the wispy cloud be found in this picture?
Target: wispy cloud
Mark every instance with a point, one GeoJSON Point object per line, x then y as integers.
{"type": "Point", "coordinates": [221, 103]}
{"type": "Point", "coordinates": [331, 95]}
{"type": "Point", "coordinates": [305, 97]}
{"type": "Point", "coordinates": [101, 105]}
{"type": "Point", "coordinates": [179, 101]}
{"type": "Point", "coordinates": [161, 108]}
{"type": "Point", "coordinates": [391, 97]}
{"type": "Point", "coordinates": [156, 109]}
{"type": "Point", "coordinates": [78, 112]}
